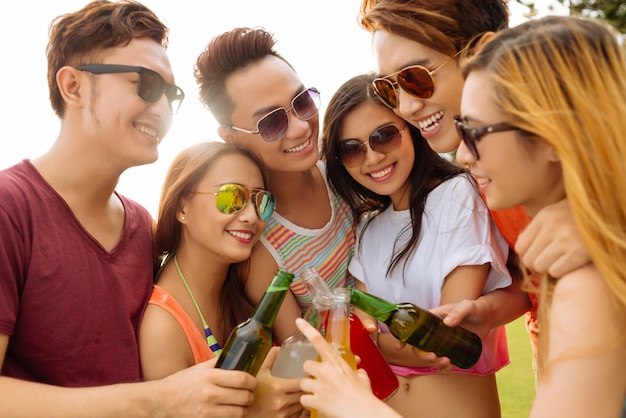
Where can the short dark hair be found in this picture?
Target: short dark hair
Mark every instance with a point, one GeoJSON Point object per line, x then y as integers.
{"type": "Point", "coordinates": [76, 38]}
{"type": "Point", "coordinates": [224, 55]}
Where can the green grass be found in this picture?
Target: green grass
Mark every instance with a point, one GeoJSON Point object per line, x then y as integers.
{"type": "Point", "coordinates": [516, 383]}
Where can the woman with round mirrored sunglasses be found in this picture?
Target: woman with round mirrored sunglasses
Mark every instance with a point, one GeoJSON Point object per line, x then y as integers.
{"type": "Point", "coordinates": [351, 152]}
{"type": "Point", "coordinates": [273, 126]}
{"type": "Point", "coordinates": [232, 198]}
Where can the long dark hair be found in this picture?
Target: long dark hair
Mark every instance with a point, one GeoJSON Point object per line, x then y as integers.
{"type": "Point", "coordinates": [429, 168]}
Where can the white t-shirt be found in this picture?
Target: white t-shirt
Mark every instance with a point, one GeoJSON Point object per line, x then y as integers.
{"type": "Point", "coordinates": [457, 230]}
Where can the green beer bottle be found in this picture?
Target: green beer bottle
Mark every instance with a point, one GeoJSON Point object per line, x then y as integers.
{"type": "Point", "coordinates": [421, 329]}
{"type": "Point", "coordinates": [248, 344]}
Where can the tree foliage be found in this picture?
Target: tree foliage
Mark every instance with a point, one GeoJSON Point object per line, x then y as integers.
{"type": "Point", "coordinates": [613, 11]}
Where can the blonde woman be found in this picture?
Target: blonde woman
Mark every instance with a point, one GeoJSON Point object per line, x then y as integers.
{"type": "Point", "coordinates": [542, 119]}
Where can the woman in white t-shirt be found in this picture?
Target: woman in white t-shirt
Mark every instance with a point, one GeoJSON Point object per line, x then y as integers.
{"type": "Point", "coordinates": [424, 236]}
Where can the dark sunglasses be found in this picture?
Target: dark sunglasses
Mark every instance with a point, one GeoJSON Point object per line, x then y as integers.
{"type": "Point", "coordinates": [150, 86]}
{"type": "Point", "coordinates": [471, 135]}
{"type": "Point", "coordinates": [232, 198]}
{"type": "Point", "coordinates": [416, 80]}
{"type": "Point", "coordinates": [273, 126]}
{"type": "Point", "coordinates": [351, 152]}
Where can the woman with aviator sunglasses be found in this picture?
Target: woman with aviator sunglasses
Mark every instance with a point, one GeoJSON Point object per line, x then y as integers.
{"type": "Point", "coordinates": [414, 44]}
{"type": "Point", "coordinates": [213, 208]}
{"type": "Point", "coordinates": [262, 105]}
{"type": "Point", "coordinates": [424, 236]}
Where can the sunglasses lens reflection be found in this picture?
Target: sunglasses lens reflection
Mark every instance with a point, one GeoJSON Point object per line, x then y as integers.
{"type": "Point", "coordinates": [417, 81]}
{"type": "Point", "coordinates": [383, 140]}
{"type": "Point", "coordinates": [274, 125]}
{"type": "Point", "coordinates": [386, 92]}
{"type": "Point", "coordinates": [151, 86]}
{"type": "Point", "coordinates": [231, 198]}
{"type": "Point", "coordinates": [306, 104]}
{"type": "Point", "coordinates": [265, 205]}
{"type": "Point", "coordinates": [351, 152]}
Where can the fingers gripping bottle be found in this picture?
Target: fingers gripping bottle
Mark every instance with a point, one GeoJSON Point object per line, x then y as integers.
{"type": "Point", "coordinates": [248, 344]}
{"type": "Point", "coordinates": [421, 329]}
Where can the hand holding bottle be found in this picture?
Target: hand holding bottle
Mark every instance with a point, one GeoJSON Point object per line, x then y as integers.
{"type": "Point", "coordinates": [421, 329]}
{"type": "Point", "coordinates": [275, 396]}
{"type": "Point", "coordinates": [333, 382]}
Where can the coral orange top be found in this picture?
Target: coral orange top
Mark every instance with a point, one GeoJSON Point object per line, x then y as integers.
{"type": "Point", "coordinates": [511, 222]}
{"type": "Point", "coordinates": [197, 342]}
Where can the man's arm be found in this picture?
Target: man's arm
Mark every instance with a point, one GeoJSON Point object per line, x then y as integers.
{"type": "Point", "coordinates": [182, 394]}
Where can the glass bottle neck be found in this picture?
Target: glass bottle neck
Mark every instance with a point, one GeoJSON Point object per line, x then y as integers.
{"type": "Point", "coordinates": [265, 313]}
{"type": "Point", "coordinates": [372, 305]}
{"type": "Point", "coordinates": [338, 328]}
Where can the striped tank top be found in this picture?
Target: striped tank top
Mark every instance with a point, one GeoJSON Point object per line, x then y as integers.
{"type": "Point", "coordinates": [328, 249]}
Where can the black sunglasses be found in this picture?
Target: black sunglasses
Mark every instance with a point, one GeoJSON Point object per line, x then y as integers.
{"type": "Point", "coordinates": [150, 86]}
{"type": "Point", "coordinates": [273, 126]}
{"type": "Point", "coordinates": [351, 152]}
{"type": "Point", "coordinates": [471, 135]}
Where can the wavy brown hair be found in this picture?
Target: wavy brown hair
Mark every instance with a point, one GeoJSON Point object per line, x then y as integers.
{"type": "Point", "coordinates": [80, 37]}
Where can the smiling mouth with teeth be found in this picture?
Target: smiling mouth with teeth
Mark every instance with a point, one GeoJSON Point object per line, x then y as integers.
{"type": "Point", "coordinates": [430, 123]}
{"type": "Point", "coordinates": [241, 235]}
{"type": "Point", "coordinates": [381, 173]}
{"type": "Point", "coordinates": [146, 130]}
{"type": "Point", "coordinates": [299, 147]}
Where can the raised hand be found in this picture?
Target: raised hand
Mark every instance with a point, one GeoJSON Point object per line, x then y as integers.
{"type": "Point", "coordinates": [334, 389]}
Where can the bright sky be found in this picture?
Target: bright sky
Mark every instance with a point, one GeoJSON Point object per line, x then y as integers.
{"type": "Point", "coordinates": [321, 39]}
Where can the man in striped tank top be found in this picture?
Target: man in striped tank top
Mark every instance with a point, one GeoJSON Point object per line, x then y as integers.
{"type": "Point", "coordinates": [262, 105]}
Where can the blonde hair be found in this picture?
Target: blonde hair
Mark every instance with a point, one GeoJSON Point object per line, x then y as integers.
{"type": "Point", "coordinates": [563, 80]}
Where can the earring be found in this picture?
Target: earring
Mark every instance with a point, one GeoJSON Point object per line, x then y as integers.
{"type": "Point", "coordinates": [182, 217]}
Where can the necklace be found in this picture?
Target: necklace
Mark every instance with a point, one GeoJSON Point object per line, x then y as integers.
{"type": "Point", "coordinates": [210, 338]}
